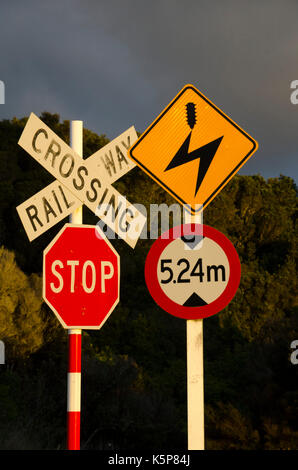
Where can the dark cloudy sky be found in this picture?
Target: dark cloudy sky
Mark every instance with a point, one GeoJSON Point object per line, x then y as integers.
{"type": "Point", "coordinates": [117, 63]}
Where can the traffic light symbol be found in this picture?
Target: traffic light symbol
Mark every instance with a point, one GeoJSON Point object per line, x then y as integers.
{"type": "Point", "coordinates": [205, 153]}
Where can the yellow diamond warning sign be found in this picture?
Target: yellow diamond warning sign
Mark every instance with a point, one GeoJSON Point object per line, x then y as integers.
{"type": "Point", "coordinates": [192, 149]}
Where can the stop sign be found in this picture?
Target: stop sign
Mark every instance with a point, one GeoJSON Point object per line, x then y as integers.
{"type": "Point", "coordinates": [81, 277]}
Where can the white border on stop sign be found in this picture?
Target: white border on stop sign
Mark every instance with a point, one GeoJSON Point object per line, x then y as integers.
{"type": "Point", "coordinates": [47, 249]}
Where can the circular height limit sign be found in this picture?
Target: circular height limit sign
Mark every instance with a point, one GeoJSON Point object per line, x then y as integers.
{"type": "Point", "coordinates": [192, 271]}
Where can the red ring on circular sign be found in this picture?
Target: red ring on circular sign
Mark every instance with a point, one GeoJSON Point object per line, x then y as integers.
{"type": "Point", "coordinates": [192, 313]}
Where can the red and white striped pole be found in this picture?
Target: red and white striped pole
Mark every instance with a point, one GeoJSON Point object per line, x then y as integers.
{"type": "Point", "coordinates": [74, 390]}
{"type": "Point", "coordinates": [74, 336]}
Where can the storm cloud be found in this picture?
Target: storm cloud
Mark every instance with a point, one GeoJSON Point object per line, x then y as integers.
{"type": "Point", "coordinates": [114, 64]}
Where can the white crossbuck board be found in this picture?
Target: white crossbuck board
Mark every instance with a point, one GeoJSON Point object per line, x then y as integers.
{"type": "Point", "coordinates": [79, 182]}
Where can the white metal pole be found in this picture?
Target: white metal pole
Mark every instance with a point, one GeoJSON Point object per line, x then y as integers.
{"type": "Point", "coordinates": [195, 372]}
{"type": "Point", "coordinates": [76, 143]}
{"type": "Point", "coordinates": [74, 363]}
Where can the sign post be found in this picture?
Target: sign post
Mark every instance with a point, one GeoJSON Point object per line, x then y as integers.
{"type": "Point", "coordinates": [195, 384]}
{"type": "Point", "coordinates": [74, 389]}
{"type": "Point", "coordinates": [74, 335]}
{"type": "Point", "coordinates": [81, 269]}
{"type": "Point", "coordinates": [81, 280]}
{"type": "Point", "coordinates": [195, 371]}
{"type": "Point", "coordinates": [192, 149]}
{"type": "Point", "coordinates": [193, 271]}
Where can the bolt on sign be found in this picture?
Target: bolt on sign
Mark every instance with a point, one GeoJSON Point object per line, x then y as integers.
{"type": "Point", "coordinates": [79, 182]}
{"type": "Point", "coordinates": [192, 283]}
{"type": "Point", "coordinates": [192, 149]}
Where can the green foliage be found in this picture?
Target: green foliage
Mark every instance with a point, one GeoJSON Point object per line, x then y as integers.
{"type": "Point", "coordinates": [118, 409]}
{"type": "Point", "coordinates": [21, 322]}
{"type": "Point", "coordinates": [134, 369]}
{"type": "Point", "coordinates": [259, 217]}
{"type": "Point", "coordinates": [228, 429]}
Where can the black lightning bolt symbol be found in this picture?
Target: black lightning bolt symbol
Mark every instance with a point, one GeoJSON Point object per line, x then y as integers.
{"type": "Point", "coordinates": [205, 153]}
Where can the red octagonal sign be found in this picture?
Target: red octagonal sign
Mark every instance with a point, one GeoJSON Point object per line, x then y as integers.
{"type": "Point", "coordinates": [81, 277]}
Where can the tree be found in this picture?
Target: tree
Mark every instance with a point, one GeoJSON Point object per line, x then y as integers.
{"type": "Point", "coordinates": [135, 367]}
{"type": "Point", "coordinates": [21, 322]}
